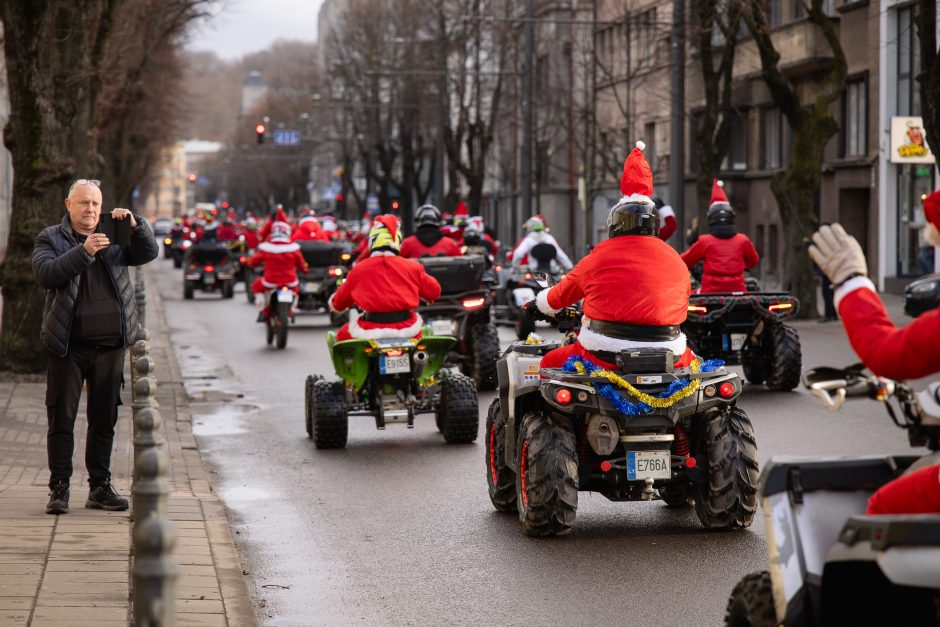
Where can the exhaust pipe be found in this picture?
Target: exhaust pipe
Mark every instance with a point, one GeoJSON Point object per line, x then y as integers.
{"type": "Point", "coordinates": [420, 360]}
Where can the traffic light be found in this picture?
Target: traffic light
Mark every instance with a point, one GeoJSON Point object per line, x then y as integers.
{"type": "Point", "coordinates": [395, 205]}
{"type": "Point", "coordinates": [259, 131]}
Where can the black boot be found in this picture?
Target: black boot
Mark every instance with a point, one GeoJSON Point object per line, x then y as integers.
{"type": "Point", "coordinates": [104, 497]}
{"type": "Point", "coordinates": [58, 499]}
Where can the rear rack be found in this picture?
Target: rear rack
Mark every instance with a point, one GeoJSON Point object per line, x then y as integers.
{"type": "Point", "coordinates": [764, 303]}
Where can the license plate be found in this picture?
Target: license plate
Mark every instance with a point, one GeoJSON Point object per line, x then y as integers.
{"type": "Point", "coordinates": [522, 295]}
{"type": "Point", "coordinates": [442, 327]}
{"type": "Point", "coordinates": [394, 365]}
{"type": "Point", "coordinates": [738, 340]}
{"type": "Point", "coordinates": [209, 280]}
{"type": "Point", "coordinates": [311, 287]}
{"type": "Point", "coordinates": [648, 465]}
{"type": "Point", "coordinates": [285, 297]}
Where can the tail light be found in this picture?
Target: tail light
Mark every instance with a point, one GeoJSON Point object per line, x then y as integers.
{"type": "Point", "coordinates": [781, 307]}
{"type": "Point", "coordinates": [167, 241]}
{"type": "Point", "coordinates": [528, 276]}
{"type": "Point", "coordinates": [395, 352]}
{"type": "Point", "coordinates": [193, 266]}
{"type": "Point", "coordinates": [242, 259]}
{"type": "Point", "coordinates": [562, 396]}
{"type": "Point", "coordinates": [726, 390]}
{"type": "Point", "coordinates": [208, 268]}
{"type": "Point", "coordinates": [498, 267]}
{"type": "Point", "coordinates": [336, 272]}
{"type": "Point", "coordinates": [698, 309]}
{"type": "Point", "coordinates": [473, 303]}
{"type": "Point", "coordinates": [345, 256]}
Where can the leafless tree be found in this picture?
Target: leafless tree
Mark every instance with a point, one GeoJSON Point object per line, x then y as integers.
{"type": "Point", "coordinates": [929, 77]}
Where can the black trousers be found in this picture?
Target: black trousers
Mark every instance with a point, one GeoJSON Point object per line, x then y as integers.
{"type": "Point", "coordinates": [102, 368]}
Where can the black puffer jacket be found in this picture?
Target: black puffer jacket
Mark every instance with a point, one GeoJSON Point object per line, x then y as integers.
{"type": "Point", "coordinates": [58, 263]}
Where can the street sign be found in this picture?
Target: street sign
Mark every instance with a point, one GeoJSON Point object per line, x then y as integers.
{"type": "Point", "coordinates": [372, 203]}
{"type": "Point", "coordinates": [286, 138]}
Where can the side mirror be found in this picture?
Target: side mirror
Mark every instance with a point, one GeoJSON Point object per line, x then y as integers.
{"type": "Point", "coordinates": [544, 279]}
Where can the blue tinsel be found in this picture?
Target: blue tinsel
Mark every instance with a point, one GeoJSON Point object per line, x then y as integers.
{"type": "Point", "coordinates": [625, 406]}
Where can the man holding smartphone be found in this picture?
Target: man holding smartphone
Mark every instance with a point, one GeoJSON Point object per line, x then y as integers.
{"type": "Point", "coordinates": [89, 319]}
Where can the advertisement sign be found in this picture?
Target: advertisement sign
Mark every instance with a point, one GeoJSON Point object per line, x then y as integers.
{"type": "Point", "coordinates": [908, 143]}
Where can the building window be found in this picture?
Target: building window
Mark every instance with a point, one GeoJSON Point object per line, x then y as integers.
{"type": "Point", "coordinates": [774, 17]}
{"type": "Point", "coordinates": [908, 64]}
{"type": "Point", "coordinates": [649, 137]}
{"type": "Point", "coordinates": [736, 159]}
{"type": "Point", "coordinates": [771, 138]}
{"type": "Point", "coordinates": [855, 118]}
{"type": "Point", "coordinates": [646, 37]}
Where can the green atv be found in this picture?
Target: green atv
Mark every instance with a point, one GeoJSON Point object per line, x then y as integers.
{"type": "Point", "coordinates": [391, 380]}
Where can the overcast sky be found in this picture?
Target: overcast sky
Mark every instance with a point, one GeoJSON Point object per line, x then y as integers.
{"type": "Point", "coordinates": [243, 26]}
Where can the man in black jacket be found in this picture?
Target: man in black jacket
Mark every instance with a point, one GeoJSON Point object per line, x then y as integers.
{"type": "Point", "coordinates": [88, 321]}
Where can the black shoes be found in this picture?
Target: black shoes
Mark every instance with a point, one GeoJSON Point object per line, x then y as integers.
{"type": "Point", "coordinates": [261, 317]}
{"type": "Point", "coordinates": [58, 499]}
{"type": "Point", "coordinates": [104, 497]}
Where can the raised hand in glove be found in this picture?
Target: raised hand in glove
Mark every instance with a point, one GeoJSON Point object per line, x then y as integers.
{"type": "Point", "coordinates": [837, 254]}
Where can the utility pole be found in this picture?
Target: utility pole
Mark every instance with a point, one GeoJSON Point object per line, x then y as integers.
{"type": "Point", "coordinates": [528, 110]}
{"type": "Point", "coordinates": [677, 118]}
{"type": "Point", "coordinates": [443, 119]}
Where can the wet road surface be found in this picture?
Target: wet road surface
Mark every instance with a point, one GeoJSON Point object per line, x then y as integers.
{"type": "Point", "coordinates": [397, 529]}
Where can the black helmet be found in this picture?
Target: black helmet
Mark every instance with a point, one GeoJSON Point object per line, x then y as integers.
{"type": "Point", "coordinates": [633, 218]}
{"type": "Point", "coordinates": [720, 213]}
{"type": "Point", "coordinates": [658, 202]}
{"type": "Point", "coordinates": [428, 214]}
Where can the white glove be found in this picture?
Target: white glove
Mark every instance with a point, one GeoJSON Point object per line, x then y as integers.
{"type": "Point", "coordinates": [837, 254]}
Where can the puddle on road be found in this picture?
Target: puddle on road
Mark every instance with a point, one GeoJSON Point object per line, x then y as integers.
{"type": "Point", "coordinates": [213, 420]}
{"type": "Point", "coordinates": [235, 496]}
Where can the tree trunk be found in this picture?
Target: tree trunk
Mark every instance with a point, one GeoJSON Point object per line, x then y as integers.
{"type": "Point", "coordinates": [929, 77]}
{"type": "Point", "coordinates": [50, 51]}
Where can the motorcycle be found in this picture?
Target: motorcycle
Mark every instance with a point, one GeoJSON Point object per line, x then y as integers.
{"type": "Point", "coordinates": [748, 329]}
{"type": "Point", "coordinates": [829, 563]}
{"type": "Point", "coordinates": [463, 311]}
{"type": "Point", "coordinates": [278, 317]}
{"type": "Point", "coordinates": [181, 246]}
{"type": "Point", "coordinates": [209, 270]}
{"type": "Point", "coordinates": [392, 380]}
{"type": "Point", "coordinates": [648, 431]}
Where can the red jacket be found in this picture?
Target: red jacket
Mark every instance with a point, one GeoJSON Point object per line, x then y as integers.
{"type": "Point", "coordinates": [453, 232]}
{"type": "Point", "coordinates": [632, 279]}
{"type": "Point", "coordinates": [309, 231]}
{"type": "Point", "coordinates": [908, 353]}
{"type": "Point", "coordinates": [725, 261]}
{"type": "Point", "coordinates": [445, 247]}
{"type": "Point", "coordinates": [385, 283]}
{"type": "Point", "coordinates": [251, 239]}
{"type": "Point", "coordinates": [281, 263]}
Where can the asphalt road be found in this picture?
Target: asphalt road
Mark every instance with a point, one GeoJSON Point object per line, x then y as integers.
{"type": "Point", "coordinates": [397, 528]}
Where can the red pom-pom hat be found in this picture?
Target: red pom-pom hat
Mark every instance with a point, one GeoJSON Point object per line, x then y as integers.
{"type": "Point", "coordinates": [718, 194]}
{"type": "Point", "coordinates": [636, 184]}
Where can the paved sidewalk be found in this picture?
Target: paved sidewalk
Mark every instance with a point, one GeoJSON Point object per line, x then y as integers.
{"type": "Point", "coordinates": [75, 569]}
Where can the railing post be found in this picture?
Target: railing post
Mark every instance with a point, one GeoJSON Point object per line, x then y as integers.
{"type": "Point", "coordinates": [154, 571]}
{"type": "Point", "coordinates": [140, 295]}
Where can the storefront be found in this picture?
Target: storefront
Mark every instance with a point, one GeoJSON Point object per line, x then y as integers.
{"type": "Point", "coordinates": [914, 164]}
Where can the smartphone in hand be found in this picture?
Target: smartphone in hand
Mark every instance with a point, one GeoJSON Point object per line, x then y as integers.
{"type": "Point", "coordinates": [118, 231]}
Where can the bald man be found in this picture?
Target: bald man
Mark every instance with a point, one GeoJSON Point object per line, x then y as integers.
{"type": "Point", "coordinates": [88, 321]}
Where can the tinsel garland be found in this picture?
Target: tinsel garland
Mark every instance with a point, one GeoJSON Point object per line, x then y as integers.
{"type": "Point", "coordinates": [675, 392]}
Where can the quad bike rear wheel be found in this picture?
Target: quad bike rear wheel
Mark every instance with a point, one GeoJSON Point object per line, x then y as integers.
{"type": "Point", "coordinates": [177, 261]}
{"type": "Point", "coordinates": [308, 402]}
{"type": "Point", "coordinates": [500, 478]}
{"type": "Point", "coordinates": [728, 499]}
{"type": "Point", "coordinates": [547, 476]}
{"type": "Point", "coordinates": [188, 290]}
{"type": "Point", "coordinates": [459, 410]}
{"type": "Point", "coordinates": [786, 358]}
{"type": "Point", "coordinates": [330, 418]}
{"type": "Point", "coordinates": [228, 289]}
{"type": "Point", "coordinates": [755, 366]}
{"type": "Point", "coordinates": [752, 602]}
{"type": "Point", "coordinates": [485, 339]}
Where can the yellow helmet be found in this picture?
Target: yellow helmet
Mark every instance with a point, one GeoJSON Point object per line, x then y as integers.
{"type": "Point", "coordinates": [385, 234]}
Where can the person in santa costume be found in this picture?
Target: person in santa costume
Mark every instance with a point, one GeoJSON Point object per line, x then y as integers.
{"type": "Point", "coordinates": [386, 287]}
{"type": "Point", "coordinates": [667, 219]}
{"type": "Point", "coordinates": [250, 231]}
{"type": "Point", "coordinates": [907, 353]}
{"type": "Point", "coordinates": [428, 240]}
{"type": "Point", "coordinates": [282, 260]}
{"type": "Point", "coordinates": [725, 252]}
{"type": "Point", "coordinates": [635, 287]}
{"type": "Point", "coordinates": [524, 260]}
{"type": "Point", "coordinates": [537, 234]}
{"type": "Point", "coordinates": [455, 230]}
{"type": "Point", "coordinates": [308, 229]}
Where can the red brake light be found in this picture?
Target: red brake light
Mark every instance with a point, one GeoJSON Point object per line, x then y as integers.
{"type": "Point", "coordinates": [242, 259]}
{"type": "Point", "coordinates": [395, 352]}
{"type": "Point", "coordinates": [781, 306]}
{"type": "Point", "coordinates": [473, 303]}
{"type": "Point", "coordinates": [698, 309]}
{"type": "Point", "coordinates": [562, 396]}
{"type": "Point", "coordinates": [498, 267]}
{"type": "Point", "coordinates": [336, 272]}
{"type": "Point", "coordinates": [726, 390]}
{"type": "Point", "coordinates": [208, 268]}
{"type": "Point", "coordinates": [606, 466]}
{"type": "Point", "coordinates": [528, 276]}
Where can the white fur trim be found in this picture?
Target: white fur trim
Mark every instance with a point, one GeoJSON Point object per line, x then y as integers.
{"type": "Point", "coordinates": [666, 211]}
{"type": "Point", "coordinates": [641, 144]}
{"type": "Point", "coordinates": [305, 219]}
{"type": "Point", "coordinates": [281, 223]}
{"type": "Point", "coordinates": [273, 247]}
{"type": "Point", "coordinates": [329, 303]}
{"type": "Point", "coordinates": [931, 234]}
{"type": "Point", "coordinates": [858, 283]}
{"type": "Point", "coordinates": [635, 198]}
{"type": "Point", "coordinates": [541, 301]}
{"type": "Point", "coordinates": [274, 286]}
{"type": "Point", "coordinates": [594, 341]}
{"type": "Point", "coordinates": [382, 333]}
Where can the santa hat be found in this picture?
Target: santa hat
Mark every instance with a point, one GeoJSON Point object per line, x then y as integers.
{"type": "Point", "coordinates": [462, 210]}
{"type": "Point", "coordinates": [932, 214]}
{"type": "Point", "coordinates": [636, 184]}
{"type": "Point", "coordinates": [718, 193]}
{"type": "Point", "coordinates": [280, 229]}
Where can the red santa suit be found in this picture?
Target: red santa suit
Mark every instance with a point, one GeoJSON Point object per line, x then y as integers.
{"type": "Point", "coordinates": [628, 279]}
{"type": "Point", "coordinates": [384, 283]}
{"type": "Point", "coordinates": [227, 233]}
{"type": "Point", "coordinates": [251, 239]}
{"type": "Point", "coordinates": [667, 222]}
{"type": "Point", "coordinates": [309, 230]}
{"type": "Point", "coordinates": [725, 258]}
{"type": "Point", "coordinates": [281, 259]}
{"type": "Point", "coordinates": [454, 231]}
{"type": "Point", "coordinates": [429, 242]}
